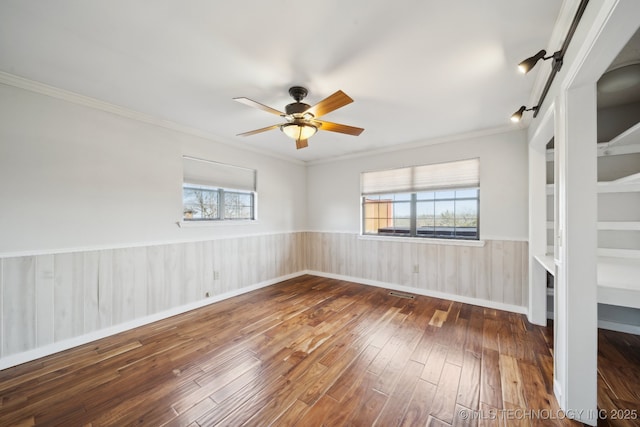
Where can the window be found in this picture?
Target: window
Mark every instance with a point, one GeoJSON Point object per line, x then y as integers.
{"type": "Point", "coordinates": [238, 205]}
{"type": "Point", "coordinates": [200, 202]}
{"type": "Point", "coordinates": [431, 201]}
{"type": "Point", "coordinates": [215, 192]}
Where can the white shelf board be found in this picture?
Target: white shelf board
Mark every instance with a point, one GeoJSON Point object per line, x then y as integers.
{"type": "Point", "coordinates": [611, 225]}
{"type": "Point", "coordinates": [608, 252]}
{"type": "Point", "coordinates": [619, 253]}
{"type": "Point", "coordinates": [628, 179]}
{"type": "Point", "coordinates": [625, 143]}
{"type": "Point", "coordinates": [619, 225]}
{"type": "Point", "coordinates": [618, 187]}
{"type": "Point", "coordinates": [618, 281]}
{"type": "Point", "coordinates": [547, 262]}
{"type": "Point", "coordinates": [609, 187]}
{"type": "Point", "coordinates": [629, 137]}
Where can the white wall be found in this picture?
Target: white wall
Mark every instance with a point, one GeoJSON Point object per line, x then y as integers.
{"type": "Point", "coordinates": [90, 184]}
{"type": "Point", "coordinates": [76, 177]}
{"type": "Point", "coordinates": [334, 187]}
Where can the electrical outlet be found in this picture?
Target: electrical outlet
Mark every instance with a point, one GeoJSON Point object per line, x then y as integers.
{"type": "Point", "coordinates": [216, 275]}
{"type": "Point", "coordinates": [416, 268]}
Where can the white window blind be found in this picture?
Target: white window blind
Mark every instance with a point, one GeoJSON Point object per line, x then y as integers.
{"type": "Point", "coordinates": [213, 174]}
{"type": "Point", "coordinates": [459, 174]}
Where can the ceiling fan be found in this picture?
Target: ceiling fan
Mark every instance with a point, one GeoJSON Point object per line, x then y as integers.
{"type": "Point", "coordinates": [302, 119]}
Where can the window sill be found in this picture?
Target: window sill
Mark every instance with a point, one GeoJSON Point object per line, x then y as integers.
{"type": "Point", "coordinates": [425, 240]}
{"type": "Point", "coordinates": [223, 223]}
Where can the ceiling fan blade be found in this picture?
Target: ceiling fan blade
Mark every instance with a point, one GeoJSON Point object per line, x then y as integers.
{"type": "Point", "coordinates": [330, 103]}
{"type": "Point", "coordinates": [337, 127]}
{"type": "Point", "coordinates": [301, 143]}
{"type": "Point", "coordinates": [254, 104]}
{"type": "Point", "coordinates": [253, 132]}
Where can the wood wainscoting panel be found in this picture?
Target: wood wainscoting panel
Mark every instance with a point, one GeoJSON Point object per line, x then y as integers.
{"type": "Point", "coordinates": [54, 297]}
{"type": "Point", "coordinates": [44, 295]}
{"type": "Point", "coordinates": [306, 351]}
{"type": "Point", "coordinates": [18, 305]}
{"type": "Point", "coordinates": [68, 295]}
{"type": "Point", "coordinates": [495, 272]}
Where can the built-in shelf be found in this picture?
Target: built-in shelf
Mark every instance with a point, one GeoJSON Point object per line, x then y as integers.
{"type": "Point", "coordinates": [635, 178]}
{"type": "Point", "coordinates": [616, 186]}
{"type": "Point", "coordinates": [629, 137]}
{"type": "Point", "coordinates": [619, 225]}
{"type": "Point", "coordinates": [625, 143]}
{"type": "Point", "coordinates": [611, 225]}
{"type": "Point", "coordinates": [607, 252]}
{"type": "Point", "coordinates": [618, 270]}
{"type": "Point", "coordinates": [547, 262]}
{"type": "Point", "coordinates": [618, 282]}
{"type": "Point", "coordinates": [620, 253]}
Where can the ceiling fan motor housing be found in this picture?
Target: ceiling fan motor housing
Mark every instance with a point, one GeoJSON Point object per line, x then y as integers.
{"type": "Point", "coordinates": [296, 108]}
{"type": "Point", "coordinates": [298, 93]}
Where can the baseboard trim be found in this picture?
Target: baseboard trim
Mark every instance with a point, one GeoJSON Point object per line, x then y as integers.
{"type": "Point", "coordinates": [611, 326]}
{"type": "Point", "coordinates": [36, 353]}
{"type": "Point", "coordinates": [557, 390]}
{"type": "Point", "coordinates": [619, 327]}
{"type": "Point", "coordinates": [426, 292]}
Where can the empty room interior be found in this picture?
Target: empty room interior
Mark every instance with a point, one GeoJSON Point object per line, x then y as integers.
{"type": "Point", "coordinates": [357, 213]}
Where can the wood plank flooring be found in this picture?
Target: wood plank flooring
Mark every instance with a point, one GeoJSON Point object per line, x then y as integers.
{"type": "Point", "coordinates": [313, 351]}
{"type": "Point", "coordinates": [619, 378]}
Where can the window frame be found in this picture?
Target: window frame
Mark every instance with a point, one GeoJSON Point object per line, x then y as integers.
{"type": "Point", "coordinates": [223, 197]}
{"type": "Point", "coordinates": [420, 180]}
{"type": "Point", "coordinates": [412, 232]}
{"type": "Point", "coordinates": [221, 205]}
{"type": "Point", "coordinates": [222, 178]}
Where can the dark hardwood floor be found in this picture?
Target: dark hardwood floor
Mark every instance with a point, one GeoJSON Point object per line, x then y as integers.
{"type": "Point", "coordinates": [619, 378]}
{"type": "Point", "coordinates": [313, 351]}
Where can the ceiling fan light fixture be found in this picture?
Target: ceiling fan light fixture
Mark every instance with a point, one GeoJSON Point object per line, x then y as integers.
{"type": "Point", "coordinates": [298, 131]}
{"type": "Point", "coordinates": [302, 119]}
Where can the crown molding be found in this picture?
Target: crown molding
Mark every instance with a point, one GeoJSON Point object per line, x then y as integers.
{"type": "Point", "coordinates": [96, 104]}
{"type": "Point", "coordinates": [423, 143]}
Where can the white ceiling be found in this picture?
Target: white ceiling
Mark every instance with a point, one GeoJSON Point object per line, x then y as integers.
{"type": "Point", "coordinates": [417, 69]}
